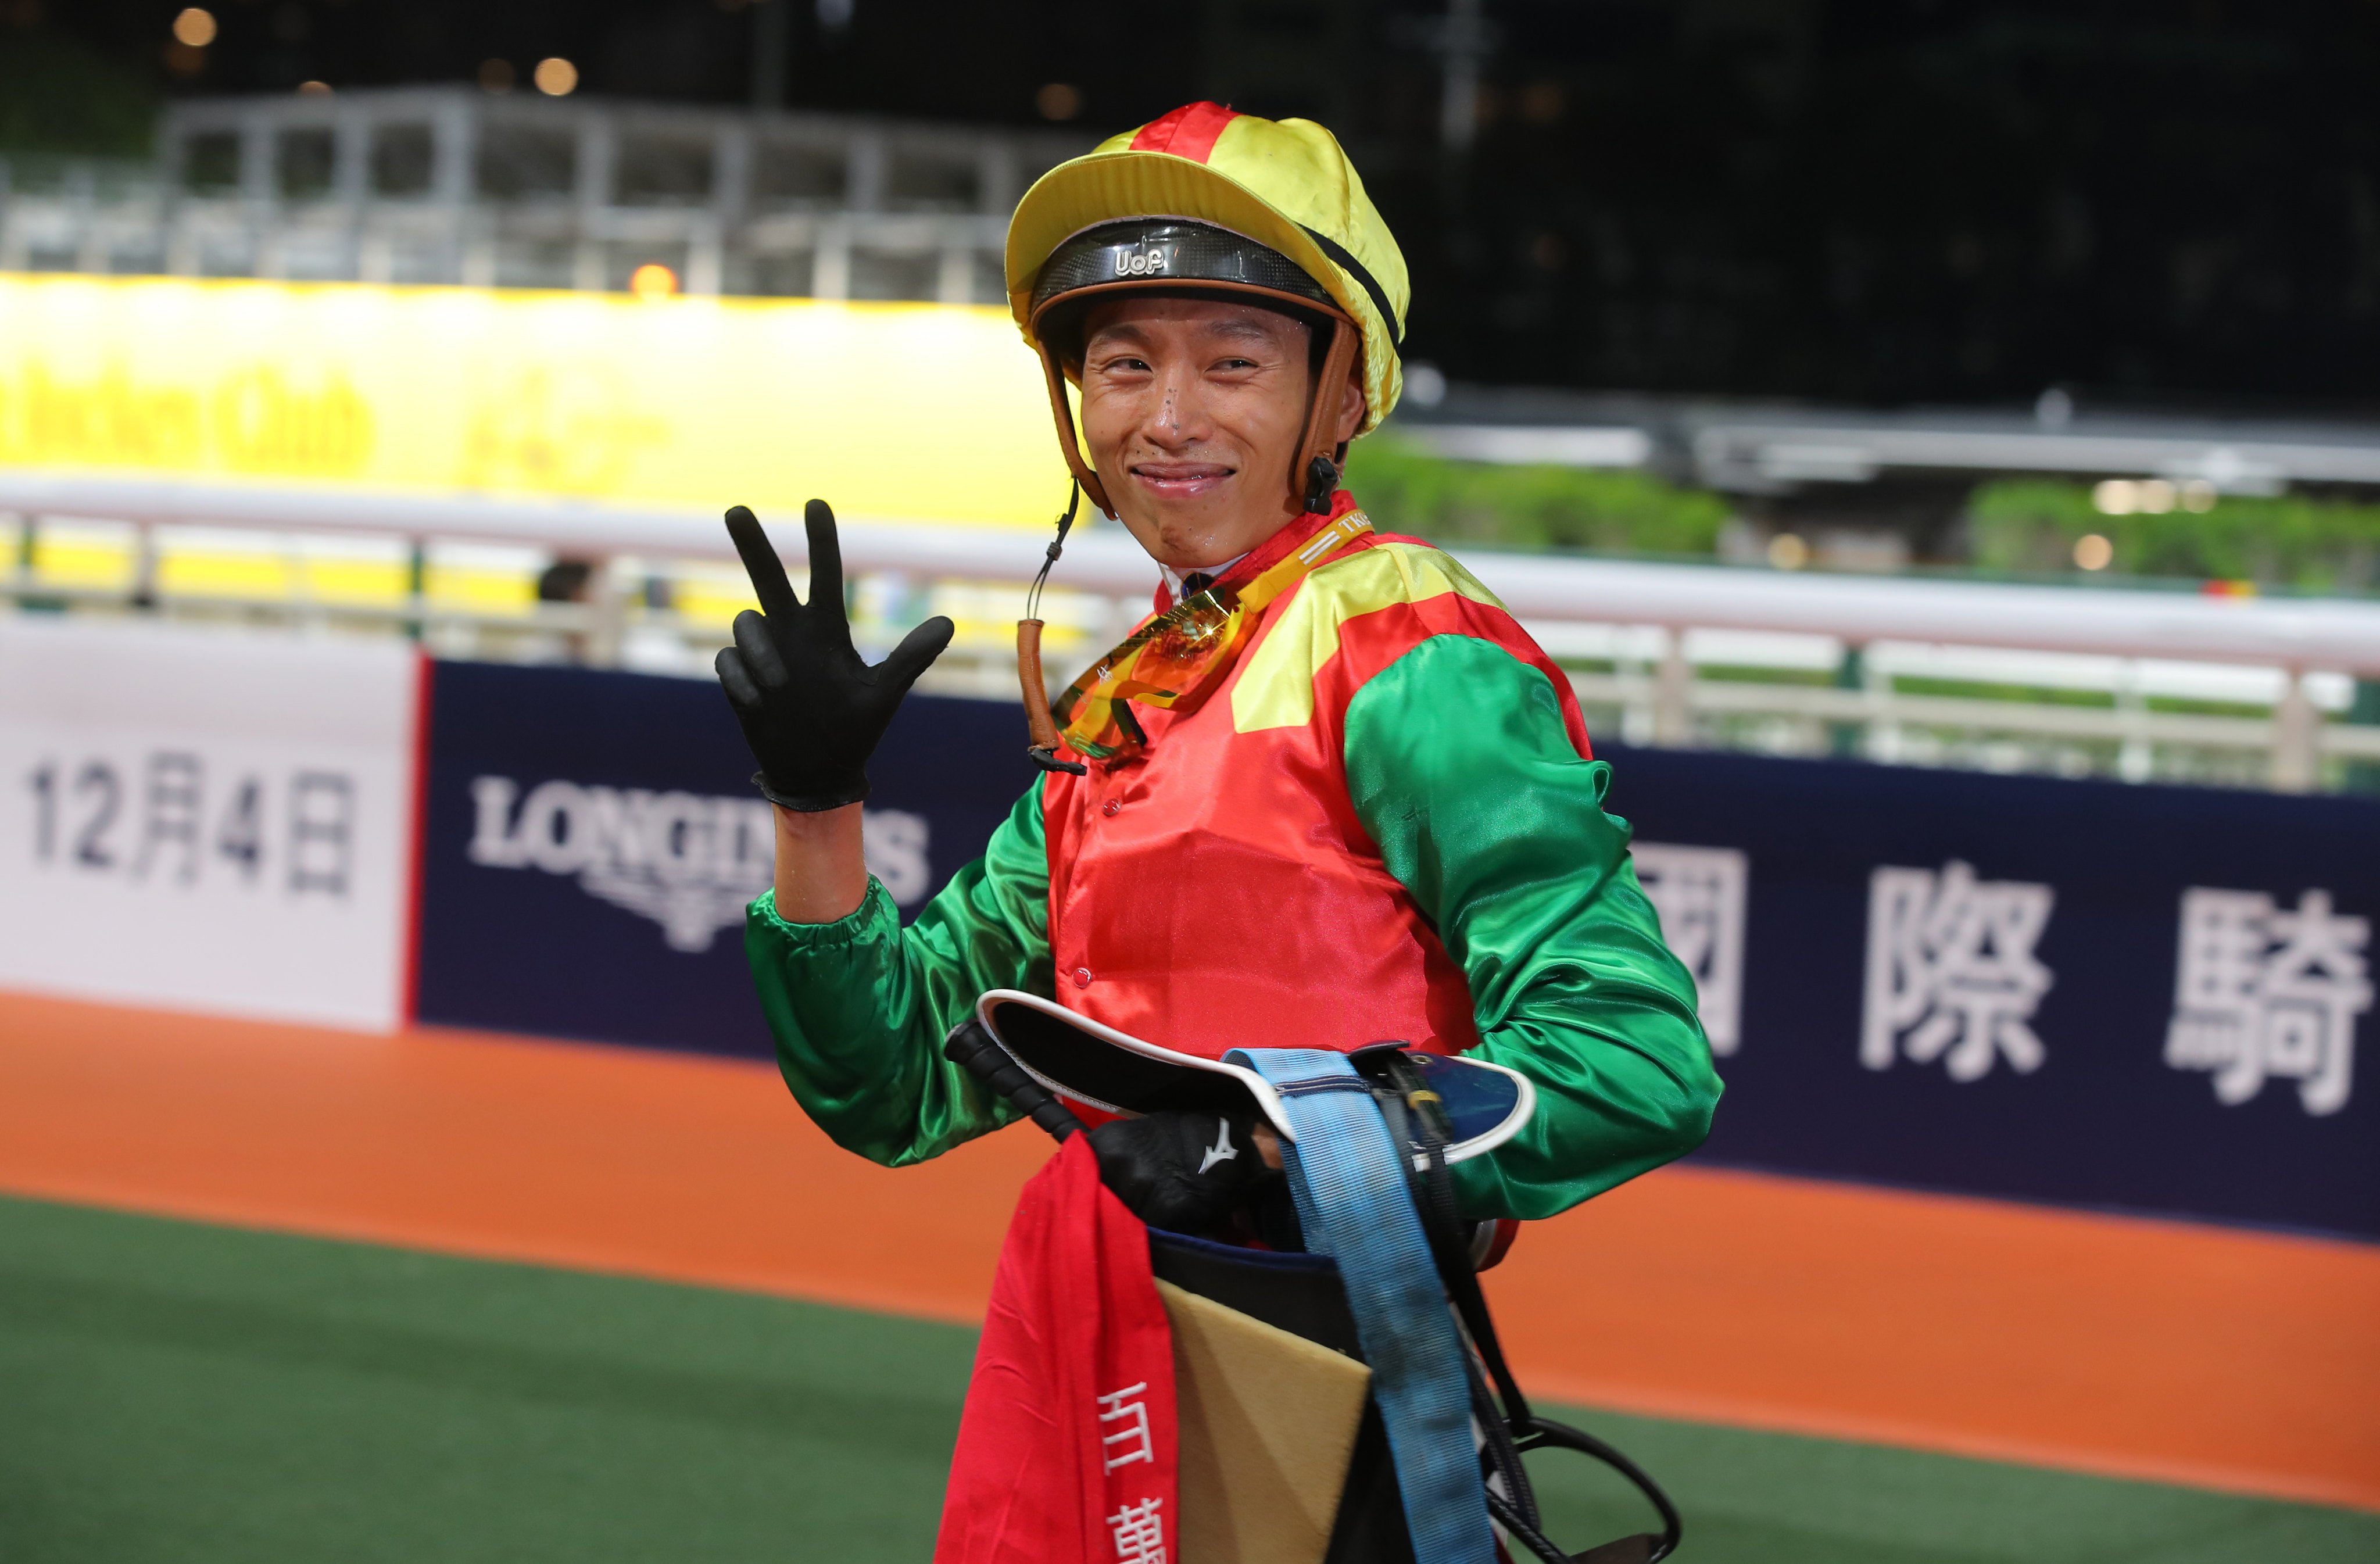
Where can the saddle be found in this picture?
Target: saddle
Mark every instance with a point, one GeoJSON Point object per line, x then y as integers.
{"type": "Point", "coordinates": [1287, 1454]}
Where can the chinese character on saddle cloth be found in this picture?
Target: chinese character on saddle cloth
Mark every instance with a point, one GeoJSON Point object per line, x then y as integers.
{"type": "Point", "coordinates": [1950, 971]}
{"type": "Point", "coordinates": [1124, 1439]}
{"type": "Point", "coordinates": [1128, 1440]}
{"type": "Point", "coordinates": [1139, 1533]}
{"type": "Point", "coordinates": [2261, 993]}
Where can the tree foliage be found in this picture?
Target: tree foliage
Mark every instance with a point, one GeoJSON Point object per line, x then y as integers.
{"type": "Point", "coordinates": [1405, 489]}
{"type": "Point", "coordinates": [2033, 524]}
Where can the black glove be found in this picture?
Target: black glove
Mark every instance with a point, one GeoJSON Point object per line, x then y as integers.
{"type": "Point", "coordinates": [1180, 1169]}
{"type": "Point", "coordinates": [811, 710]}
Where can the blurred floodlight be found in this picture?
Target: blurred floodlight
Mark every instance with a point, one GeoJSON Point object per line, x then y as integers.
{"type": "Point", "coordinates": [1060, 100]}
{"type": "Point", "coordinates": [497, 76]}
{"type": "Point", "coordinates": [2117, 496]}
{"type": "Point", "coordinates": [2157, 496]}
{"type": "Point", "coordinates": [653, 280]}
{"type": "Point", "coordinates": [1787, 551]}
{"type": "Point", "coordinates": [195, 27]}
{"type": "Point", "coordinates": [2198, 495]}
{"type": "Point", "coordinates": [1424, 383]}
{"type": "Point", "coordinates": [556, 76]}
{"type": "Point", "coordinates": [2093, 551]}
{"type": "Point", "coordinates": [315, 89]}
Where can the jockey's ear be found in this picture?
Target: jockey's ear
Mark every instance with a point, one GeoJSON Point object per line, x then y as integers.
{"type": "Point", "coordinates": [1351, 411]}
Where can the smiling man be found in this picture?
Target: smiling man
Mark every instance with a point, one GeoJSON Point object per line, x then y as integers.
{"type": "Point", "coordinates": [1193, 401]}
{"type": "Point", "coordinates": [1331, 793]}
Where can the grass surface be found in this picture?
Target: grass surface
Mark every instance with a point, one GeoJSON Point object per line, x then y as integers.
{"type": "Point", "coordinates": [170, 1391]}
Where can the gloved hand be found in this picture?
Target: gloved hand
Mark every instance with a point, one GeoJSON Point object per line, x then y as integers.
{"type": "Point", "coordinates": [811, 708]}
{"type": "Point", "coordinates": [1180, 1169]}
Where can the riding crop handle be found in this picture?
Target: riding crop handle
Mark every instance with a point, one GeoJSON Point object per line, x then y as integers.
{"type": "Point", "coordinates": [971, 1047]}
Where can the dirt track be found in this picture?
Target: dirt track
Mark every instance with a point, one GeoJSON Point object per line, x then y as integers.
{"type": "Point", "coordinates": [2131, 1348]}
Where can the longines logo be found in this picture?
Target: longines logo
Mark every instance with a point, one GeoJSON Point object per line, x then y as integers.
{"type": "Point", "coordinates": [690, 862]}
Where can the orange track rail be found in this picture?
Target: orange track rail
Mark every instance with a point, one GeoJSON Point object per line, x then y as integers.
{"type": "Point", "coordinates": [2233, 1360]}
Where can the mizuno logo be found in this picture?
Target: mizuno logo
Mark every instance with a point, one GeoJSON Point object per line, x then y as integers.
{"type": "Point", "coordinates": [1222, 1150]}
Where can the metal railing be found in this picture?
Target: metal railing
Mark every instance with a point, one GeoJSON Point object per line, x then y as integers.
{"type": "Point", "coordinates": [2131, 683]}
{"type": "Point", "coordinates": [453, 185]}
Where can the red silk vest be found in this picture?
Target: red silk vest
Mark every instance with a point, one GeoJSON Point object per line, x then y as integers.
{"type": "Point", "coordinates": [1215, 889]}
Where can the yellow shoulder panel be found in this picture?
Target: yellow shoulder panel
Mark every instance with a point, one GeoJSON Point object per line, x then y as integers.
{"type": "Point", "coordinates": [1277, 689]}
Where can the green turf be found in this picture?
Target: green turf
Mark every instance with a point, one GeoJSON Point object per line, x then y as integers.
{"type": "Point", "coordinates": [170, 1391]}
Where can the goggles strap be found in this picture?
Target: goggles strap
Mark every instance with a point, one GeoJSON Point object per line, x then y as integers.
{"type": "Point", "coordinates": [1095, 713]}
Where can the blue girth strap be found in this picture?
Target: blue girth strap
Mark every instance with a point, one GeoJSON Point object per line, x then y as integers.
{"type": "Point", "coordinates": [1352, 1198]}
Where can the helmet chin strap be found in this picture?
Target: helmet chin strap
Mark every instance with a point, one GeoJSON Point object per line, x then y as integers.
{"type": "Point", "coordinates": [1313, 477]}
{"type": "Point", "coordinates": [1322, 455]}
{"type": "Point", "coordinates": [1067, 444]}
{"type": "Point", "coordinates": [1315, 467]}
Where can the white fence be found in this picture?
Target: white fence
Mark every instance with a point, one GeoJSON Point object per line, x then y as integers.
{"type": "Point", "coordinates": [2156, 682]}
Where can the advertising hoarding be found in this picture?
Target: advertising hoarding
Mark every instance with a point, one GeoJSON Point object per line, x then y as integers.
{"type": "Point", "coordinates": [592, 839]}
{"type": "Point", "coordinates": [666, 402]}
{"type": "Point", "coordinates": [2127, 996]}
{"type": "Point", "coordinates": [2133, 997]}
{"type": "Point", "coordinates": [207, 820]}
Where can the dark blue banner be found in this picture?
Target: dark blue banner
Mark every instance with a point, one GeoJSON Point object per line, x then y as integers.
{"type": "Point", "coordinates": [593, 837]}
{"type": "Point", "coordinates": [2143, 998]}
{"type": "Point", "coordinates": [2130, 997]}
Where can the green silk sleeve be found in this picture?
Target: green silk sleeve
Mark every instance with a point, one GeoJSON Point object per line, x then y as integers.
{"type": "Point", "coordinates": [1460, 768]}
{"type": "Point", "coordinates": [859, 1008]}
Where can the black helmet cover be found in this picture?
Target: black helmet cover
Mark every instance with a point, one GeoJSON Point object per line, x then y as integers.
{"type": "Point", "coordinates": [1157, 251]}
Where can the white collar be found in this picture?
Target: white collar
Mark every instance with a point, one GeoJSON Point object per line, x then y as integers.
{"type": "Point", "coordinates": [1173, 576]}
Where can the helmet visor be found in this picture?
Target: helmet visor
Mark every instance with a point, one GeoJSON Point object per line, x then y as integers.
{"type": "Point", "coordinates": [1169, 250]}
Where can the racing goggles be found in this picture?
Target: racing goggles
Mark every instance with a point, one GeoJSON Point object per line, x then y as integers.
{"type": "Point", "coordinates": [1184, 650]}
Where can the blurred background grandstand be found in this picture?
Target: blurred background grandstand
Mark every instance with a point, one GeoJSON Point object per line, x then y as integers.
{"type": "Point", "coordinates": [2091, 380]}
{"type": "Point", "coordinates": [1849, 392]}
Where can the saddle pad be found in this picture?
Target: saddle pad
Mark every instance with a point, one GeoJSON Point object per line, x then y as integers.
{"type": "Point", "coordinates": [1267, 1424]}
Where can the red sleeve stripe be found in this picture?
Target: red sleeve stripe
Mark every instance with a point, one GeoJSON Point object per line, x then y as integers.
{"type": "Point", "coordinates": [1368, 643]}
{"type": "Point", "coordinates": [1189, 131]}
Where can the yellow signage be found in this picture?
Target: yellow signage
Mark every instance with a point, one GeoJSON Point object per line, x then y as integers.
{"type": "Point", "coordinates": [914, 412]}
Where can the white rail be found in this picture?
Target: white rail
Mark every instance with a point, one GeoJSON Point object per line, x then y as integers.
{"type": "Point", "coordinates": [2274, 632]}
{"type": "Point", "coordinates": [2293, 636]}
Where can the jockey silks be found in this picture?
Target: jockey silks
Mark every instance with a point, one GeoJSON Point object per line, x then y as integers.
{"type": "Point", "coordinates": [1217, 887]}
{"type": "Point", "coordinates": [1382, 823]}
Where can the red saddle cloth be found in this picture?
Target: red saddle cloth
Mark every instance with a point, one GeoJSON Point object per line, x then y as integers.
{"type": "Point", "coordinates": [1066, 1449]}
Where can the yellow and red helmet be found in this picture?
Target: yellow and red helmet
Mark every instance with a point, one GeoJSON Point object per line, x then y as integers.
{"type": "Point", "coordinates": [1212, 199]}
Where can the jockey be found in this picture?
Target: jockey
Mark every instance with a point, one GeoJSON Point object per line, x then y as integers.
{"type": "Point", "coordinates": [1330, 794]}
